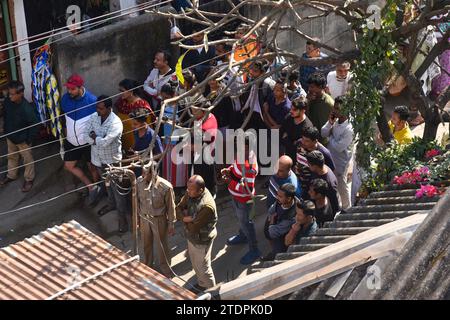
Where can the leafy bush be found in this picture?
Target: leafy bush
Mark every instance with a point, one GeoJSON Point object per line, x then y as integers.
{"type": "Point", "coordinates": [397, 159]}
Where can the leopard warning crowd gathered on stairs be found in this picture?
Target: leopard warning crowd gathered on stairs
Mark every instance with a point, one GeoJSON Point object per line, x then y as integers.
{"type": "Point", "coordinates": [310, 183]}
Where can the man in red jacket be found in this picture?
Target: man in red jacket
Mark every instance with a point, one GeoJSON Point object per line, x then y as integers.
{"type": "Point", "coordinates": [206, 126]}
{"type": "Point", "coordinates": [241, 179]}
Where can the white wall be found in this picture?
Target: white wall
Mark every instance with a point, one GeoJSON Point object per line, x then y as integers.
{"type": "Point", "coordinates": [25, 69]}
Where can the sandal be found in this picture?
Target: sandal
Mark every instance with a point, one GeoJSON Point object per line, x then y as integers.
{"type": "Point", "coordinates": [6, 181]}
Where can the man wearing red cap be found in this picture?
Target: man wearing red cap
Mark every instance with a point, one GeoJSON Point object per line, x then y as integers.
{"type": "Point", "coordinates": [78, 104]}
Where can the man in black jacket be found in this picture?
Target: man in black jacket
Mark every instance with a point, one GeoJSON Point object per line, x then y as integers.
{"type": "Point", "coordinates": [199, 60]}
{"type": "Point", "coordinates": [19, 115]}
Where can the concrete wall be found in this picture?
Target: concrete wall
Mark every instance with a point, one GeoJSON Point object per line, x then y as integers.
{"type": "Point", "coordinates": [107, 55]}
{"type": "Point", "coordinates": [332, 30]}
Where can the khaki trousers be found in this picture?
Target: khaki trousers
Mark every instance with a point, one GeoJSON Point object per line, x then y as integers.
{"type": "Point", "coordinates": [154, 229]}
{"type": "Point", "coordinates": [343, 190]}
{"type": "Point", "coordinates": [200, 256]}
{"type": "Point", "coordinates": [13, 160]}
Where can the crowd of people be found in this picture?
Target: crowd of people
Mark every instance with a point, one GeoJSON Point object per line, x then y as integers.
{"type": "Point", "coordinates": [309, 187]}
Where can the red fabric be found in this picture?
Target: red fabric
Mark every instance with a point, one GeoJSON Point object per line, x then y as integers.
{"type": "Point", "coordinates": [124, 107]}
{"type": "Point", "coordinates": [239, 190]}
{"type": "Point", "coordinates": [210, 124]}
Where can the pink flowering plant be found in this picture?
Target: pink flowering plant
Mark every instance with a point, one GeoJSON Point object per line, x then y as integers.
{"type": "Point", "coordinates": [419, 162]}
{"type": "Point", "coordinates": [428, 191]}
{"type": "Point", "coordinates": [430, 154]}
{"type": "Point", "coordinates": [418, 175]}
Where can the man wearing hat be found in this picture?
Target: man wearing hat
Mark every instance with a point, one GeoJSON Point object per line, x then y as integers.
{"type": "Point", "coordinates": [78, 104]}
{"type": "Point", "coordinates": [205, 131]}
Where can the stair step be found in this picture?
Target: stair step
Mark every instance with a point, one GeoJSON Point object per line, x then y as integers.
{"type": "Point", "coordinates": [378, 215]}
{"type": "Point", "coordinates": [393, 187]}
{"type": "Point", "coordinates": [357, 223]}
{"type": "Point", "coordinates": [393, 193]}
{"type": "Point", "coordinates": [396, 200]}
{"type": "Point", "coordinates": [268, 264]}
{"type": "Point", "coordinates": [289, 255]}
{"type": "Point", "coordinates": [392, 207]}
{"type": "Point", "coordinates": [307, 247]}
{"type": "Point", "coordinates": [322, 239]}
{"type": "Point", "coordinates": [340, 231]}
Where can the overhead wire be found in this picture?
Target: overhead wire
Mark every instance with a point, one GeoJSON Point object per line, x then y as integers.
{"type": "Point", "coordinates": [83, 28]}
{"type": "Point", "coordinates": [46, 34]}
{"type": "Point", "coordinates": [110, 97]}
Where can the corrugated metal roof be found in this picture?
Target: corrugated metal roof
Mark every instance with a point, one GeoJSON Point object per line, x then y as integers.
{"type": "Point", "coordinates": [44, 265]}
{"type": "Point", "coordinates": [426, 254]}
{"type": "Point", "coordinates": [422, 270]}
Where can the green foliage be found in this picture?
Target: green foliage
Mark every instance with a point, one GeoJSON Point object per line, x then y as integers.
{"type": "Point", "coordinates": [379, 56]}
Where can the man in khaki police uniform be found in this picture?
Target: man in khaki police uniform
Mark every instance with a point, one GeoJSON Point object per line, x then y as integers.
{"type": "Point", "coordinates": [197, 209]}
{"type": "Point", "coordinates": [156, 209]}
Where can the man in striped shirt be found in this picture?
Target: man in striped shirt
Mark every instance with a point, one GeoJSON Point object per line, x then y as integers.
{"type": "Point", "coordinates": [241, 179]}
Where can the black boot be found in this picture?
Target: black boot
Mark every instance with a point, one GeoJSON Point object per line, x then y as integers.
{"type": "Point", "coordinates": [123, 224]}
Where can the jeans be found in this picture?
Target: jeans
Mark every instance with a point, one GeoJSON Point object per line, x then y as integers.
{"type": "Point", "coordinates": [246, 226]}
{"type": "Point", "coordinates": [276, 234]}
{"type": "Point", "coordinates": [117, 196]}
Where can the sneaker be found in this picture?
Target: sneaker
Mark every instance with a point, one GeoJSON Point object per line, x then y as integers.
{"type": "Point", "coordinates": [268, 257]}
{"type": "Point", "coordinates": [123, 224]}
{"type": "Point", "coordinates": [237, 239]}
{"type": "Point", "coordinates": [27, 186]}
{"type": "Point", "coordinates": [251, 257]}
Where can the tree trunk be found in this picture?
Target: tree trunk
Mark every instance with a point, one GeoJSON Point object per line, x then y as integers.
{"type": "Point", "coordinates": [432, 121]}
{"type": "Point", "coordinates": [382, 121]}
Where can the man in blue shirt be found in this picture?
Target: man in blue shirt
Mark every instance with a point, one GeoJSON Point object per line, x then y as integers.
{"type": "Point", "coordinates": [312, 52]}
{"type": "Point", "coordinates": [305, 223]}
{"type": "Point", "coordinates": [277, 106]}
{"type": "Point", "coordinates": [78, 104]}
{"type": "Point", "coordinates": [284, 175]}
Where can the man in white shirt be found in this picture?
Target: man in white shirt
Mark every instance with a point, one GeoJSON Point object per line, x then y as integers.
{"type": "Point", "coordinates": [104, 130]}
{"type": "Point", "coordinates": [338, 81]}
{"type": "Point", "coordinates": [159, 76]}
{"type": "Point", "coordinates": [340, 133]}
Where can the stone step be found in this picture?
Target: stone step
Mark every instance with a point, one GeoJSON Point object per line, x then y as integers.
{"type": "Point", "coordinates": [268, 264]}
{"type": "Point", "coordinates": [378, 215]}
{"type": "Point", "coordinates": [289, 255]}
{"type": "Point", "coordinates": [357, 223]}
{"type": "Point", "coordinates": [393, 193]}
{"type": "Point", "coordinates": [307, 247]}
{"type": "Point", "coordinates": [397, 200]}
{"type": "Point", "coordinates": [340, 231]}
{"type": "Point", "coordinates": [415, 186]}
{"type": "Point", "coordinates": [392, 207]}
{"type": "Point", "coordinates": [322, 239]}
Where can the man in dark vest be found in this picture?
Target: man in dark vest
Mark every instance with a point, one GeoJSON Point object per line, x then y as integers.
{"type": "Point", "coordinates": [197, 210]}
